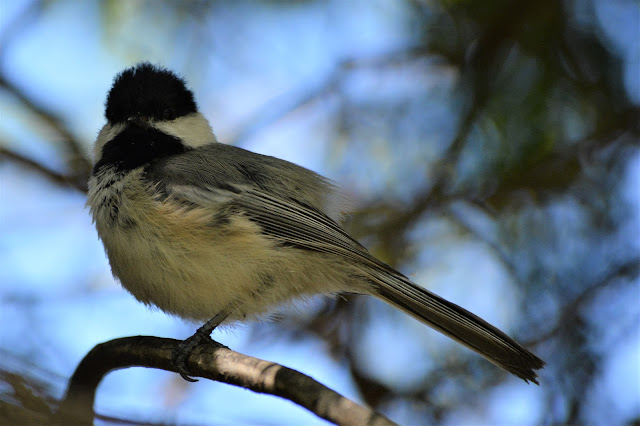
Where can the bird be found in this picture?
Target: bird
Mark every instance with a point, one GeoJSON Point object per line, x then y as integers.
{"type": "Point", "coordinates": [218, 234]}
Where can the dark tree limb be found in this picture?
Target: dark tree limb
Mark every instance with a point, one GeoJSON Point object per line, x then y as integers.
{"type": "Point", "coordinates": [77, 182]}
{"type": "Point", "coordinates": [73, 146]}
{"type": "Point", "coordinates": [209, 360]}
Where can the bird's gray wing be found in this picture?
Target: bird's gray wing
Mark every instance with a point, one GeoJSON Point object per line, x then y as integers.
{"type": "Point", "coordinates": [287, 221]}
{"type": "Point", "coordinates": [301, 225]}
{"type": "Point", "coordinates": [292, 221]}
{"type": "Point", "coordinates": [217, 167]}
{"type": "Point", "coordinates": [263, 189]}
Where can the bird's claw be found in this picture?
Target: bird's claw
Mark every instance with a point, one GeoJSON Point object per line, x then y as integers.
{"type": "Point", "coordinates": [181, 353]}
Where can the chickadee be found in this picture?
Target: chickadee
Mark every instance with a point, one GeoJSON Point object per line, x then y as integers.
{"type": "Point", "coordinates": [208, 231]}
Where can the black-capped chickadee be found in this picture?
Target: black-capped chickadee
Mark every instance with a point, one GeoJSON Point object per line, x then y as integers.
{"type": "Point", "coordinates": [208, 231]}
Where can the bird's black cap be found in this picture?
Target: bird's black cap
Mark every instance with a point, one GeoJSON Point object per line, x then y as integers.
{"type": "Point", "coordinates": [147, 91]}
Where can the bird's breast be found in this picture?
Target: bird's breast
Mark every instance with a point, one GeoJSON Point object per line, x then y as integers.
{"type": "Point", "coordinates": [186, 260]}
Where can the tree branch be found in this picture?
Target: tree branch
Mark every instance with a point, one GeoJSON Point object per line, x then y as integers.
{"type": "Point", "coordinates": [213, 361]}
{"type": "Point", "coordinates": [77, 182]}
{"type": "Point", "coordinates": [76, 158]}
{"type": "Point", "coordinates": [628, 270]}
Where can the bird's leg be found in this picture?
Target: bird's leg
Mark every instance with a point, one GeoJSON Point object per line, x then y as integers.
{"type": "Point", "coordinates": [183, 350]}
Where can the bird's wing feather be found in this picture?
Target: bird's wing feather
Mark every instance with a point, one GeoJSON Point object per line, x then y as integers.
{"type": "Point", "coordinates": [286, 220]}
{"type": "Point", "coordinates": [297, 223]}
{"type": "Point", "coordinates": [222, 175]}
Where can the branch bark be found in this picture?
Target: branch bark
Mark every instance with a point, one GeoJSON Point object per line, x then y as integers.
{"type": "Point", "coordinates": [213, 361]}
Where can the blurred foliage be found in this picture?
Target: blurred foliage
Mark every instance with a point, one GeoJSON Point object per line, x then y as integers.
{"type": "Point", "coordinates": [541, 135]}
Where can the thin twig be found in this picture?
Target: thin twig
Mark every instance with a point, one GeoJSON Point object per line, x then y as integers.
{"type": "Point", "coordinates": [77, 182]}
{"type": "Point", "coordinates": [76, 157]}
{"type": "Point", "coordinates": [624, 272]}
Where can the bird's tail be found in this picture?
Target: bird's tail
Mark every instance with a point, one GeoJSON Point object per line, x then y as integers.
{"type": "Point", "coordinates": [457, 323]}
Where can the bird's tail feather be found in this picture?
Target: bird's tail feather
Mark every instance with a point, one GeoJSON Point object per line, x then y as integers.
{"type": "Point", "coordinates": [457, 323]}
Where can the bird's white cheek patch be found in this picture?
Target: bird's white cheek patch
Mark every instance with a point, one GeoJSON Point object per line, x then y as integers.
{"type": "Point", "coordinates": [193, 130]}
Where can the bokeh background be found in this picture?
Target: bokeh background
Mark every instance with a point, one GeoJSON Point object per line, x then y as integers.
{"type": "Point", "coordinates": [490, 151]}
